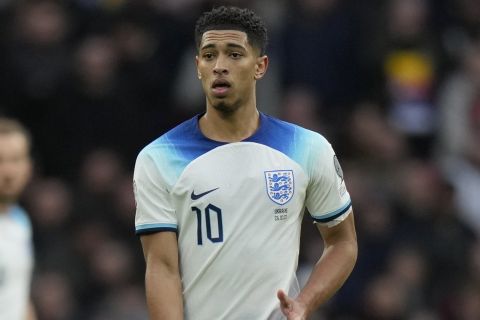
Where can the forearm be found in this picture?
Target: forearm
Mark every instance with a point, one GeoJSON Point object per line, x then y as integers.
{"type": "Point", "coordinates": [329, 274]}
{"type": "Point", "coordinates": [164, 294]}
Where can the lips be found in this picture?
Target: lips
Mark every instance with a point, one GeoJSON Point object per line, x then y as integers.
{"type": "Point", "coordinates": [220, 83]}
{"type": "Point", "coordinates": [220, 87]}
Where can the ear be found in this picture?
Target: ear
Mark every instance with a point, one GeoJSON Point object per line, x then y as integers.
{"type": "Point", "coordinates": [199, 75]}
{"type": "Point", "coordinates": [261, 67]}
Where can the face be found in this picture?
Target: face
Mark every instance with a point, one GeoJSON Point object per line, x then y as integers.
{"type": "Point", "coordinates": [15, 166]}
{"type": "Point", "coordinates": [228, 67]}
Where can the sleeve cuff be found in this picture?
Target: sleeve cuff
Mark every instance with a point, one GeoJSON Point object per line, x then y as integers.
{"type": "Point", "coordinates": [333, 215]}
{"type": "Point", "coordinates": [155, 227]}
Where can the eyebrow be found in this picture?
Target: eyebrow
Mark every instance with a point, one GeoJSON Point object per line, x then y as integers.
{"type": "Point", "coordinates": [229, 45]}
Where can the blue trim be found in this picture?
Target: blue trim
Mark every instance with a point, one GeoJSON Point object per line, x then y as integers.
{"type": "Point", "coordinates": [333, 215]}
{"type": "Point", "coordinates": [19, 216]}
{"type": "Point", "coordinates": [155, 227]}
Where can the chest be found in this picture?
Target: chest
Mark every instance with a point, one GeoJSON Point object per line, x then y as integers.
{"type": "Point", "coordinates": [237, 189]}
{"type": "Point", "coordinates": [15, 252]}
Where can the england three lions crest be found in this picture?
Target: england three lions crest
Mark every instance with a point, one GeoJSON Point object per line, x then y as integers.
{"type": "Point", "coordinates": [280, 185]}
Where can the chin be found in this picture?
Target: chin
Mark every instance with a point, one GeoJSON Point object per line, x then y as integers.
{"type": "Point", "coordinates": [222, 106]}
{"type": "Point", "coordinates": [226, 108]}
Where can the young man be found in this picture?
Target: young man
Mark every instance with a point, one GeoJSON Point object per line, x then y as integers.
{"type": "Point", "coordinates": [220, 198]}
{"type": "Point", "coordinates": [16, 254]}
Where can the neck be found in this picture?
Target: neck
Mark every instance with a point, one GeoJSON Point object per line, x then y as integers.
{"type": "Point", "coordinates": [229, 127]}
{"type": "Point", "coordinates": [4, 207]}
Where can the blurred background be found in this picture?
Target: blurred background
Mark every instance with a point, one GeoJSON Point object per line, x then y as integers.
{"type": "Point", "coordinates": [393, 84]}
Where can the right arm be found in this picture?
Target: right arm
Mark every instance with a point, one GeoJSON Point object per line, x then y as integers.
{"type": "Point", "coordinates": [31, 315]}
{"type": "Point", "coordinates": [162, 277]}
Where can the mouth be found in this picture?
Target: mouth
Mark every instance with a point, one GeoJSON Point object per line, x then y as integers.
{"type": "Point", "coordinates": [220, 87]}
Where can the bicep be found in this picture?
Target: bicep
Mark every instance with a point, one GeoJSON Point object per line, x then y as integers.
{"type": "Point", "coordinates": [161, 249]}
{"type": "Point", "coordinates": [344, 231]}
{"type": "Point", "coordinates": [162, 278]}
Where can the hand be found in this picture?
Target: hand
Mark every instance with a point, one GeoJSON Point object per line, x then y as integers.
{"type": "Point", "coordinates": [291, 308]}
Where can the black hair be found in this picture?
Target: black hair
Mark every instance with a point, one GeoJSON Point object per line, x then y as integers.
{"type": "Point", "coordinates": [233, 18]}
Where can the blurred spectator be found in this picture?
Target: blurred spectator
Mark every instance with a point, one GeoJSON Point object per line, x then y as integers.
{"type": "Point", "coordinates": [54, 296]}
{"type": "Point", "coordinates": [125, 303]}
{"type": "Point", "coordinates": [37, 53]}
{"type": "Point", "coordinates": [317, 49]}
{"type": "Point", "coordinates": [50, 204]}
{"type": "Point", "coordinates": [459, 134]}
{"type": "Point", "coordinates": [94, 114]}
{"type": "Point", "coordinates": [373, 139]}
{"type": "Point", "coordinates": [409, 266]}
{"type": "Point", "coordinates": [150, 45]}
{"type": "Point", "coordinates": [466, 306]}
{"type": "Point", "coordinates": [16, 247]}
{"type": "Point", "coordinates": [101, 172]}
{"type": "Point", "coordinates": [461, 25]}
{"type": "Point", "coordinates": [109, 268]}
{"type": "Point", "coordinates": [34, 64]}
{"type": "Point", "coordinates": [474, 262]}
{"type": "Point", "coordinates": [404, 59]}
{"type": "Point", "coordinates": [385, 299]}
{"type": "Point", "coordinates": [302, 107]}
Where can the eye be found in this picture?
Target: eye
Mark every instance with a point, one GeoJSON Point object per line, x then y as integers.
{"type": "Point", "coordinates": [208, 55]}
{"type": "Point", "coordinates": [236, 55]}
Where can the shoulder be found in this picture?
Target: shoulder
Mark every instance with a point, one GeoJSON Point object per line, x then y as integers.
{"type": "Point", "coordinates": [20, 216]}
{"type": "Point", "coordinates": [182, 132]}
{"type": "Point", "coordinates": [170, 142]}
{"type": "Point", "coordinates": [173, 151]}
{"type": "Point", "coordinates": [291, 131]}
{"type": "Point", "coordinates": [297, 142]}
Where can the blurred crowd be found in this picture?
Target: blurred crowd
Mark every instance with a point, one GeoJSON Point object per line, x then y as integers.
{"type": "Point", "coordinates": [394, 85]}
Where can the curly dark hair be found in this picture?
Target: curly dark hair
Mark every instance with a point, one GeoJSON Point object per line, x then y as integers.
{"type": "Point", "coordinates": [233, 18]}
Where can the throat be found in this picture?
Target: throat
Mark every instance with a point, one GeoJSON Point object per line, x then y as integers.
{"type": "Point", "coordinates": [224, 127]}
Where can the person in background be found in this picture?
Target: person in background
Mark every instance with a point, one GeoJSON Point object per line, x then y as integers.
{"type": "Point", "coordinates": [16, 250]}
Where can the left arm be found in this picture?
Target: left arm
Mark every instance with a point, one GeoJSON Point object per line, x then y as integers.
{"type": "Point", "coordinates": [328, 275]}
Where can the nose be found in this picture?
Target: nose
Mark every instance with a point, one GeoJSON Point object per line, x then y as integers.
{"type": "Point", "coordinates": [220, 67]}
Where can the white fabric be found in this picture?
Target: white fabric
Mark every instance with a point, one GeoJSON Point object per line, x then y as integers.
{"type": "Point", "coordinates": [16, 263]}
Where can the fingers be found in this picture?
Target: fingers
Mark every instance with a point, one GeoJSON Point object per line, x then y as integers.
{"type": "Point", "coordinates": [285, 300]}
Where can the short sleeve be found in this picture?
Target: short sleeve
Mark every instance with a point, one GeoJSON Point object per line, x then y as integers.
{"type": "Point", "coordinates": [21, 218]}
{"type": "Point", "coordinates": [328, 200]}
{"type": "Point", "coordinates": [154, 211]}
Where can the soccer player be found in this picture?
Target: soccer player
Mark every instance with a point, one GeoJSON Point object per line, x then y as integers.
{"type": "Point", "coordinates": [220, 198]}
{"type": "Point", "coordinates": [16, 254]}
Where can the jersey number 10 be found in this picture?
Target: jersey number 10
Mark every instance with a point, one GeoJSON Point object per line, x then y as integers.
{"type": "Point", "coordinates": [209, 212]}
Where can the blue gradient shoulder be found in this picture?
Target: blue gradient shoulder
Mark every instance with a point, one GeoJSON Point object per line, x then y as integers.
{"type": "Point", "coordinates": [20, 216]}
{"type": "Point", "coordinates": [175, 149]}
{"type": "Point", "coordinates": [298, 143]}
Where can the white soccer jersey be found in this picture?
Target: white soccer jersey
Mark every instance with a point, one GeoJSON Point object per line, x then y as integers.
{"type": "Point", "coordinates": [16, 261]}
{"type": "Point", "coordinates": [237, 209]}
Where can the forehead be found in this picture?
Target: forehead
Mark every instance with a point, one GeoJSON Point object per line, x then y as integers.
{"type": "Point", "coordinates": [12, 142]}
{"type": "Point", "coordinates": [217, 37]}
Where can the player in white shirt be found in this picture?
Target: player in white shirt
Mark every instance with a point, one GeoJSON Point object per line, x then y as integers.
{"type": "Point", "coordinates": [16, 254]}
{"type": "Point", "coordinates": [220, 198]}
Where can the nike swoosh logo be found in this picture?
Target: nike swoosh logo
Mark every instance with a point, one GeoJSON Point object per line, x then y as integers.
{"type": "Point", "coordinates": [198, 196]}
